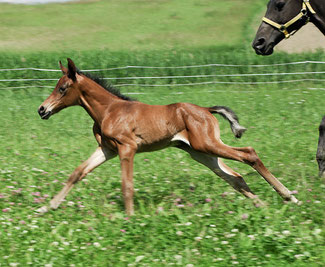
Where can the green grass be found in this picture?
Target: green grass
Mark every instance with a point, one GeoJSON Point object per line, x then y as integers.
{"type": "Point", "coordinates": [125, 25]}
{"type": "Point", "coordinates": [183, 215]}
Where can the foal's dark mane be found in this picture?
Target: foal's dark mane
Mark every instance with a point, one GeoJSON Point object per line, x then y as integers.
{"type": "Point", "coordinates": [107, 86]}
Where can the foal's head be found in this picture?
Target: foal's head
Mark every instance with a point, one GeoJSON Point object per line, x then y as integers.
{"type": "Point", "coordinates": [65, 94]}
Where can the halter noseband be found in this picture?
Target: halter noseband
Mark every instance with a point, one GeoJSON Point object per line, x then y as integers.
{"type": "Point", "coordinates": [284, 27]}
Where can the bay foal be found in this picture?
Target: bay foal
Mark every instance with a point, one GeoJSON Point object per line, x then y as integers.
{"type": "Point", "coordinates": [125, 127]}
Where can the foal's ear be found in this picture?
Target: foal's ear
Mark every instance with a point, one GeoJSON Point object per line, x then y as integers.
{"type": "Point", "coordinates": [63, 69]}
{"type": "Point", "coordinates": [72, 70]}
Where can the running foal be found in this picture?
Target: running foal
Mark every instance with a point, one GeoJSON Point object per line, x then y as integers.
{"type": "Point", "coordinates": [123, 127]}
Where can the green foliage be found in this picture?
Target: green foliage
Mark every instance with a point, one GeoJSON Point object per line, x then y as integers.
{"type": "Point", "coordinates": [185, 215]}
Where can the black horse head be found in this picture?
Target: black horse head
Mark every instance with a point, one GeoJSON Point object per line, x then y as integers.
{"type": "Point", "coordinates": [282, 19]}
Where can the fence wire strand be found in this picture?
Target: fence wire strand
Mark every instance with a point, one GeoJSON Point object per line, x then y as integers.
{"type": "Point", "coordinates": [176, 67]}
{"type": "Point", "coordinates": [173, 78]}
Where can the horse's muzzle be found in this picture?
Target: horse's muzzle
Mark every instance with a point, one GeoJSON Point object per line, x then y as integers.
{"type": "Point", "coordinates": [43, 113]}
{"type": "Point", "coordinates": [262, 48]}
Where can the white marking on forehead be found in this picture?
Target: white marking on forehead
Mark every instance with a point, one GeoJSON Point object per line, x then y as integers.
{"type": "Point", "coordinates": [63, 82]}
{"type": "Point", "coordinates": [65, 85]}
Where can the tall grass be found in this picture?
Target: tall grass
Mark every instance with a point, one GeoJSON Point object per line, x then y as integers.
{"type": "Point", "coordinates": [217, 55]}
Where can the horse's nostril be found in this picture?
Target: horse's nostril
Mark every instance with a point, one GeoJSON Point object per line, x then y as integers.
{"type": "Point", "coordinates": [260, 42]}
{"type": "Point", "coordinates": [259, 45]}
{"type": "Point", "coordinates": [41, 108]}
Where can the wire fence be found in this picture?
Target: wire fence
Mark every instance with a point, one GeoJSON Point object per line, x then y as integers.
{"type": "Point", "coordinates": [180, 67]}
{"type": "Point", "coordinates": [178, 76]}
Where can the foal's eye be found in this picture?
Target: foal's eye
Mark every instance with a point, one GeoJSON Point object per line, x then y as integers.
{"type": "Point", "coordinates": [280, 5]}
{"type": "Point", "coordinates": [62, 90]}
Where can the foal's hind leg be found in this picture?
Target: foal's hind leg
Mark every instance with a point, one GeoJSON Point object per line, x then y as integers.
{"type": "Point", "coordinates": [250, 157]}
{"type": "Point", "coordinates": [246, 155]}
{"type": "Point", "coordinates": [221, 169]}
{"type": "Point", "coordinates": [204, 137]}
{"type": "Point", "coordinates": [97, 158]}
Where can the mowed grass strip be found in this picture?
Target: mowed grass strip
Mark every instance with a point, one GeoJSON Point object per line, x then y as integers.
{"type": "Point", "coordinates": [124, 25]}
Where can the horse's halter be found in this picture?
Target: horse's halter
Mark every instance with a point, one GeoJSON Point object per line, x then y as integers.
{"type": "Point", "coordinates": [302, 15]}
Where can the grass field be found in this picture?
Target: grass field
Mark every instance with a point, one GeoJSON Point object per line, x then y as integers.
{"type": "Point", "coordinates": [124, 25]}
{"type": "Point", "coordinates": [185, 215]}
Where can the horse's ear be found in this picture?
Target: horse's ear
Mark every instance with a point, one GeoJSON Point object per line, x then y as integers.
{"type": "Point", "coordinates": [63, 69]}
{"type": "Point", "coordinates": [72, 70]}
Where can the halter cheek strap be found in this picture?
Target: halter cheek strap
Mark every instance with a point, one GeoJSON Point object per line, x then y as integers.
{"type": "Point", "coordinates": [310, 8]}
{"type": "Point", "coordinates": [284, 27]}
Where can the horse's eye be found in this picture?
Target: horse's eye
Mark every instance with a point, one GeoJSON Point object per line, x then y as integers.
{"type": "Point", "coordinates": [279, 5]}
{"type": "Point", "coordinates": [62, 90]}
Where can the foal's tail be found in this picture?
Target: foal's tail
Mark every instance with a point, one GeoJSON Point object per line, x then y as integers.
{"type": "Point", "coordinates": [228, 114]}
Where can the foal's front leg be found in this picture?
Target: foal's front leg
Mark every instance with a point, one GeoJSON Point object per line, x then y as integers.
{"type": "Point", "coordinates": [126, 153]}
{"type": "Point", "coordinates": [96, 159]}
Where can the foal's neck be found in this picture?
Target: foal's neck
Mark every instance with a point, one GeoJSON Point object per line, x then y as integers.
{"type": "Point", "coordinates": [95, 99]}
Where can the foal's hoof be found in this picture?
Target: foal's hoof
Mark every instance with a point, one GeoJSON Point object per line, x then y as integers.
{"type": "Point", "coordinates": [259, 203]}
{"type": "Point", "coordinates": [294, 200]}
{"type": "Point", "coordinates": [42, 210]}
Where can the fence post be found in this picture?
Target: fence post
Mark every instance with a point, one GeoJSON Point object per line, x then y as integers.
{"type": "Point", "coordinates": [320, 156]}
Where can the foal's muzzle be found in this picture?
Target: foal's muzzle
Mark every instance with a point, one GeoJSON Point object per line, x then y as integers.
{"type": "Point", "coordinates": [43, 113]}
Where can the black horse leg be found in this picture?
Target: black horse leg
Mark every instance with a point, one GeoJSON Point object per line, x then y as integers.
{"type": "Point", "coordinates": [320, 156]}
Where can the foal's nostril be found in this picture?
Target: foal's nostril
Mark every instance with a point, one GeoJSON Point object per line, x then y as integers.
{"type": "Point", "coordinates": [41, 110]}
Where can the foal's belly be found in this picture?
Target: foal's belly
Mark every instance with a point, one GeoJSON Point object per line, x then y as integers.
{"type": "Point", "coordinates": [154, 146]}
{"type": "Point", "coordinates": [171, 141]}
